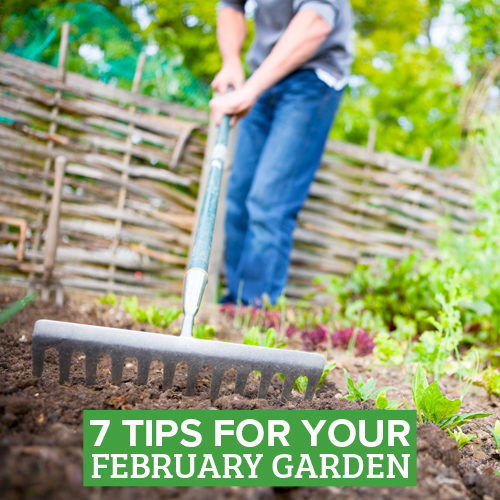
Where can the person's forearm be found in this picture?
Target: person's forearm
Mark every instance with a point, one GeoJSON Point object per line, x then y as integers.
{"type": "Point", "coordinates": [231, 34]}
{"type": "Point", "coordinates": [303, 37]}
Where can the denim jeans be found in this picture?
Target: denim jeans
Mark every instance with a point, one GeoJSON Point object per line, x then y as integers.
{"type": "Point", "coordinates": [279, 148]}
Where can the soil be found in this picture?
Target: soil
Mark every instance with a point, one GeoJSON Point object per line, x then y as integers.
{"type": "Point", "coordinates": [41, 421]}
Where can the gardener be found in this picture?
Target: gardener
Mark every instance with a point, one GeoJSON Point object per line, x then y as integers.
{"type": "Point", "coordinates": [299, 61]}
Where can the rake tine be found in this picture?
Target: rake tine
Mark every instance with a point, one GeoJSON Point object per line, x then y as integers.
{"type": "Point", "coordinates": [168, 374]}
{"type": "Point", "coordinates": [116, 368]}
{"type": "Point", "coordinates": [287, 387]}
{"type": "Point", "coordinates": [65, 355]}
{"type": "Point", "coordinates": [217, 376]}
{"type": "Point", "coordinates": [192, 379]}
{"type": "Point", "coordinates": [143, 365]}
{"type": "Point", "coordinates": [312, 383]}
{"type": "Point", "coordinates": [265, 382]}
{"type": "Point", "coordinates": [38, 359]}
{"type": "Point", "coordinates": [91, 360]}
{"type": "Point", "coordinates": [241, 382]}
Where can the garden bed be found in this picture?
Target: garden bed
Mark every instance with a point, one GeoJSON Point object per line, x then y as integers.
{"type": "Point", "coordinates": [41, 421]}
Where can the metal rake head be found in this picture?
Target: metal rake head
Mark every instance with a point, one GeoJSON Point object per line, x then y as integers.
{"type": "Point", "coordinates": [196, 353]}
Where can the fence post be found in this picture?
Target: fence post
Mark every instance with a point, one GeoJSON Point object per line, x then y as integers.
{"type": "Point", "coordinates": [122, 194]}
{"type": "Point", "coordinates": [60, 75]}
{"type": "Point", "coordinates": [215, 264]}
{"type": "Point", "coordinates": [52, 234]}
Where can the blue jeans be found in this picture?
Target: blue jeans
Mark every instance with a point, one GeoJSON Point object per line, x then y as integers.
{"type": "Point", "coordinates": [279, 148]}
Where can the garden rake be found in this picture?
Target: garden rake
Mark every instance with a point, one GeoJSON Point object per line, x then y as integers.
{"type": "Point", "coordinates": [171, 350]}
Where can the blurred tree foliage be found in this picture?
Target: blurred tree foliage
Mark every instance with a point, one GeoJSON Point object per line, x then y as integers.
{"type": "Point", "coordinates": [402, 84]}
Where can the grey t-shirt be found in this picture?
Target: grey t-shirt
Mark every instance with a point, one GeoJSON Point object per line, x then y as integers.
{"type": "Point", "coordinates": [272, 17]}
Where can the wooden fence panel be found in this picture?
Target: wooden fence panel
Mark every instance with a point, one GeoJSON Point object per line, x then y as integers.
{"type": "Point", "coordinates": [132, 179]}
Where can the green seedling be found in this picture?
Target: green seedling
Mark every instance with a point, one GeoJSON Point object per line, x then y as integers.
{"type": "Point", "coordinates": [254, 336]}
{"type": "Point", "coordinates": [432, 406]}
{"type": "Point", "coordinates": [205, 332]}
{"type": "Point", "coordinates": [460, 437]}
{"type": "Point", "coordinates": [131, 305]}
{"type": "Point", "coordinates": [301, 382]}
{"type": "Point", "coordinates": [363, 391]}
{"type": "Point", "coordinates": [382, 403]}
{"type": "Point", "coordinates": [496, 433]}
{"type": "Point", "coordinates": [108, 299]}
{"type": "Point", "coordinates": [161, 316]}
{"type": "Point", "coordinates": [154, 315]}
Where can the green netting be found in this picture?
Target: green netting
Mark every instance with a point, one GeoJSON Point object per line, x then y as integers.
{"type": "Point", "coordinates": [102, 47]}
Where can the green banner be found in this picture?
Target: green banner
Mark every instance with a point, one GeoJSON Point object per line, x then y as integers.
{"type": "Point", "coordinates": [250, 448]}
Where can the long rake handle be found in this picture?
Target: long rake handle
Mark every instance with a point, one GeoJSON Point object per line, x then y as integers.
{"type": "Point", "coordinates": [200, 254]}
{"type": "Point", "coordinates": [197, 274]}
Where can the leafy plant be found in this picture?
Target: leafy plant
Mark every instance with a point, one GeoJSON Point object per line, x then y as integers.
{"type": "Point", "coordinates": [449, 325]}
{"type": "Point", "coordinates": [315, 339]}
{"type": "Point", "coordinates": [387, 349]}
{"type": "Point", "coordinates": [205, 332]}
{"type": "Point", "coordinates": [382, 403]}
{"type": "Point", "coordinates": [362, 391]}
{"type": "Point", "coordinates": [388, 290]}
{"type": "Point", "coordinates": [496, 433]}
{"type": "Point", "coordinates": [131, 305]}
{"type": "Point", "coordinates": [426, 349]}
{"type": "Point", "coordinates": [169, 314]}
{"type": "Point", "coordinates": [432, 406]}
{"type": "Point", "coordinates": [108, 299]}
{"type": "Point", "coordinates": [461, 438]}
{"type": "Point", "coordinates": [301, 382]}
{"type": "Point", "coordinates": [255, 336]}
{"type": "Point", "coordinates": [154, 315]}
{"type": "Point", "coordinates": [490, 380]}
{"type": "Point", "coordinates": [355, 339]}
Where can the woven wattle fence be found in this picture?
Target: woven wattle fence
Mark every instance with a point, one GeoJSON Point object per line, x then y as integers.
{"type": "Point", "coordinates": [130, 182]}
{"type": "Point", "coordinates": [366, 204]}
{"type": "Point", "coordinates": [129, 194]}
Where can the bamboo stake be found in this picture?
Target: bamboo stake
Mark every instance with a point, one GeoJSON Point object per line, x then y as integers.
{"type": "Point", "coordinates": [122, 194]}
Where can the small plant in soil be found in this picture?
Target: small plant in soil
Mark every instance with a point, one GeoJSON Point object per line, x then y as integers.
{"type": "Point", "coordinates": [363, 391]}
{"type": "Point", "coordinates": [108, 299]}
{"type": "Point", "coordinates": [301, 382]}
{"type": "Point", "coordinates": [387, 349]}
{"type": "Point", "coordinates": [432, 406]}
{"type": "Point", "coordinates": [382, 403]}
{"type": "Point", "coordinates": [496, 433]}
{"type": "Point", "coordinates": [154, 315]}
{"type": "Point", "coordinates": [255, 336]}
{"type": "Point", "coordinates": [460, 437]}
{"type": "Point", "coordinates": [162, 316]}
{"type": "Point", "coordinates": [353, 339]}
{"type": "Point", "coordinates": [490, 380]}
{"type": "Point", "coordinates": [204, 332]}
{"type": "Point", "coordinates": [316, 339]}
